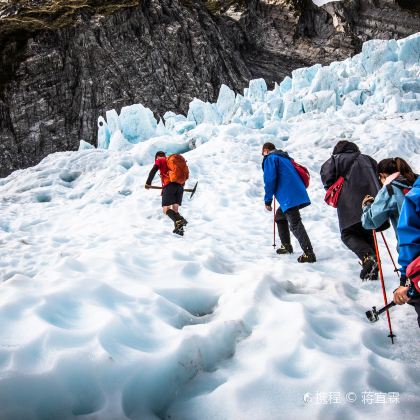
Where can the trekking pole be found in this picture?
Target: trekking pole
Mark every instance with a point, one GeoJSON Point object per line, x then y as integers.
{"type": "Point", "coordinates": [274, 224]}
{"type": "Point", "coordinates": [378, 257]}
{"type": "Point", "coordinates": [389, 252]}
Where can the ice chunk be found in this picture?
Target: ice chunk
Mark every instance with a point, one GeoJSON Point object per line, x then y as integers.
{"type": "Point", "coordinates": [292, 106]}
{"type": "Point", "coordinates": [144, 152]}
{"type": "Point", "coordinates": [182, 127]}
{"type": "Point", "coordinates": [118, 143]}
{"type": "Point", "coordinates": [137, 123]}
{"type": "Point", "coordinates": [276, 107]}
{"type": "Point", "coordinates": [398, 104]}
{"type": "Point", "coordinates": [410, 85]}
{"type": "Point", "coordinates": [104, 135]}
{"type": "Point", "coordinates": [171, 119]}
{"type": "Point", "coordinates": [349, 108]}
{"type": "Point", "coordinates": [277, 129]}
{"type": "Point", "coordinates": [348, 85]}
{"type": "Point", "coordinates": [409, 49]}
{"type": "Point", "coordinates": [257, 120]}
{"type": "Point", "coordinates": [302, 78]}
{"type": "Point", "coordinates": [226, 103]}
{"type": "Point", "coordinates": [161, 130]}
{"type": "Point", "coordinates": [285, 85]}
{"type": "Point", "coordinates": [320, 101]}
{"type": "Point", "coordinates": [203, 112]}
{"type": "Point", "coordinates": [376, 53]}
{"type": "Point", "coordinates": [84, 145]}
{"type": "Point", "coordinates": [113, 121]}
{"type": "Point", "coordinates": [177, 123]}
{"type": "Point", "coordinates": [244, 106]}
{"type": "Point", "coordinates": [256, 91]}
{"type": "Point", "coordinates": [325, 79]}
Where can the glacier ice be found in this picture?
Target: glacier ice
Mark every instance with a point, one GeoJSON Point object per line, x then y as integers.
{"type": "Point", "coordinates": [84, 145]}
{"type": "Point", "coordinates": [113, 121]}
{"type": "Point", "coordinates": [104, 135]}
{"type": "Point", "coordinates": [256, 91]}
{"type": "Point", "coordinates": [119, 143]}
{"type": "Point", "coordinates": [226, 103]}
{"type": "Point", "coordinates": [385, 74]}
{"type": "Point", "coordinates": [137, 123]}
{"type": "Point", "coordinates": [203, 112]}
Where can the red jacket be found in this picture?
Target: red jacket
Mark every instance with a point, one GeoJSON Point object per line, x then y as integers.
{"type": "Point", "coordinates": [163, 170]}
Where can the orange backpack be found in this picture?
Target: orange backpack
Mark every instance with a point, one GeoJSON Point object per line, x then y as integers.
{"type": "Point", "coordinates": [177, 169]}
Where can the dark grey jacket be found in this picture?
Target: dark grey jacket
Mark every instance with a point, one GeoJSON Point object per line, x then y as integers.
{"type": "Point", "coordinates": [361, 179]}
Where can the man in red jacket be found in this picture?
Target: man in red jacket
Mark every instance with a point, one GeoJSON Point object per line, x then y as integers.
{"type": "Point", "coordinates": [172, 191]}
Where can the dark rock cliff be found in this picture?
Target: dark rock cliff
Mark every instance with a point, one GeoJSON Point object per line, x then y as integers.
{"type": "Point", "coordinates": [63, 65]}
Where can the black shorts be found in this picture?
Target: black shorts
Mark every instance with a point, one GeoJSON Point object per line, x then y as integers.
{"type": "Point", "coordinates": [172, 194]}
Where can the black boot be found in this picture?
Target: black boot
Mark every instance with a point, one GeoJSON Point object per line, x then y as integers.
{"type": "Point", "coordinates": [307, 257]}
{"type": "Point", "coordinates": [180, 222]}
{"type": "Point", "coordinates": [172, 215]}
{"type": "Point", "coordinates": [369, 268]}
{"type": "Point", "coordinates": [285, 249]}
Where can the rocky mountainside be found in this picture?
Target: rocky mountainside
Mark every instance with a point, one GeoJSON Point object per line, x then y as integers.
{"type": "Point", "coordinates": [63, 63]}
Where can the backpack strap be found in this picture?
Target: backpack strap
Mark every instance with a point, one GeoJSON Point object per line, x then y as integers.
{"type": "Point", "coordinates": [390, 190]}
{"type": "Point", "coordinates": [403, 187]}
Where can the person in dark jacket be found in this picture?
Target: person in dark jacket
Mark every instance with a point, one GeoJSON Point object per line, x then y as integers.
{"type": "Point", "coordinates": [409, 242]}
{"type": "Point", "coordinates": [359, 172]}
{"type": "Point", "coordinates": [283, 182]}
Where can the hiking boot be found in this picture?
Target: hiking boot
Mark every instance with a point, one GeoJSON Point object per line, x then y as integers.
{"type": "Point", "coordinates": [285, 249]}
{"type": "Point", "coordinates": [179, 231]}
{"type": "Point", "coordinates": [307, 257]}
{"type": "Point", "coordinates": [180, 223]}
{"type": "Point", "coordinates": [184, 221]}
{"type": "Point", "coordinates": [369, 268]}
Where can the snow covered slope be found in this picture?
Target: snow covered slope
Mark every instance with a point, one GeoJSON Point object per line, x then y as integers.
{"type": "Point", "coordinates": [106, 315]}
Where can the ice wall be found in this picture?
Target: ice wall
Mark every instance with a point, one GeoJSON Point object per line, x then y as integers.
{"type": "Point", "coordinates": [385, 75]}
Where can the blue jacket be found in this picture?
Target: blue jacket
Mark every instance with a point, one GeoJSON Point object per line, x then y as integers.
{"type": "Point", "coordinates": [282, 181]}
{"type": "Point", "coordinates": [409, 227]}
{"type": "Point", "coordinates": [386, 206]}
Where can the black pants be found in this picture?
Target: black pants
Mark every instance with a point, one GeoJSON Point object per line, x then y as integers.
{"type": "Point", "coordinates": [416, 303]}
{"type": "Point", "coordinates": [172, 194]}
{"type": "Point", "coordinates": [291, 218]}
{"type": "Point", "coordinates": [358, 240]}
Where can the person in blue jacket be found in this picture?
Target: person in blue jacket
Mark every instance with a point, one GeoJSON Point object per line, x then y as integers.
{"type": "Point", "coordinates": [397, 179]}
{"type": "Point", "coordinates": [409, 242]}
{"type": "Point", "coordinates": [283, 182]}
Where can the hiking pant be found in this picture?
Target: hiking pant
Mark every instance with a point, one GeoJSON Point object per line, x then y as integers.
{"type": "Point", "coordinates": [416, 303]}
{"type": "Point", "coordinates": [358, 240]}
{"type": "Point", "coordinates": [291, 218]}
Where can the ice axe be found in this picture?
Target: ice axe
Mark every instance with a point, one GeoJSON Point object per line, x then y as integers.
{"type": "Point", "coordinates": [191, 190]}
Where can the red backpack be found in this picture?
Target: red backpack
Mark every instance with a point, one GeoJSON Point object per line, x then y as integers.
{"type": "Point", "coordinates": [303, 173]}
{"type": "Point", "coordinates": [177, 169]}
{"type": "Point", "coordinates": [333, 193]}
{"type": "Point", "coordinates": [413, 273]}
